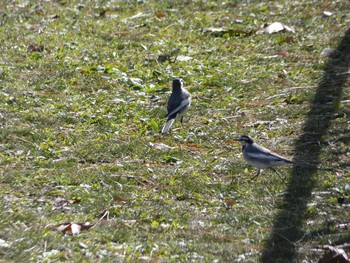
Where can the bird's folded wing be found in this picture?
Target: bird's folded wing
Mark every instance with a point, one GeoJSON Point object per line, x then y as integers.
{"type": "Point", "coordinates": [267, 156]}
{"type": "Point", "coordinates": [183, 104]}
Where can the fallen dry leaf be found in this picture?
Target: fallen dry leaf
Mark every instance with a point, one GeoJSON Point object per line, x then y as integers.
{"type": "Point", "coordinates": [274, 28]}
{"type": "Point", "coordinates": [229, 141]}
{"type": "Point", "coordinates": [229, 202]}
{"type": "Point", "coordinates": [283, 53]}
{"type": "Point", "coordinates": [195, 147]}
{"type": "Point", "coordinates": [70, 228]}
{"type": "Point", "coordinates": [160, 14]}
{"type": "Point", "coordinates": [35, 48]}
{"type": "Point", "coordinates": [118, 198]}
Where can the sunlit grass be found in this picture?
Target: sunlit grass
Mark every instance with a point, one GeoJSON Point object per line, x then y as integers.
{"type": "Point", "coordinates": [80, 123]}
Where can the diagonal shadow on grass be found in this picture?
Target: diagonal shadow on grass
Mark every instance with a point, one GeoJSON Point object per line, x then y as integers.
{"type": "Point", "coordinates": [288, 224]}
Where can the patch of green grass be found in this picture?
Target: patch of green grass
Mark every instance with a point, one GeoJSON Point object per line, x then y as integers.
{"type": "Point", "coordinates": [80, 119]}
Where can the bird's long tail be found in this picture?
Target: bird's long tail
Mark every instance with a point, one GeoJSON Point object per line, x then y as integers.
{"type": "Point", "coordinates": [312, 165]}
{"type": "Point", "coordinates": [168, 125]}
{"type": "Point", "coordinates": [307, 165]}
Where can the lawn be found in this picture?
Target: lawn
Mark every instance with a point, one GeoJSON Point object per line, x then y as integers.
{"type": "Point", "coordinates": [86, 175]}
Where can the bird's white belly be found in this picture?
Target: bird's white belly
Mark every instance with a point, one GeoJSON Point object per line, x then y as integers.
{"type": "Point", "coordinates": [256, 163]}
{"type": "Point", "coordinates": [183, 111]}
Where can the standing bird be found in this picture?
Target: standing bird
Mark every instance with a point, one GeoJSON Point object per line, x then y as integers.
{"type": "Point", "coordinates": [178, 104]}
{"type": "Point", "coordinates": [259, 156]}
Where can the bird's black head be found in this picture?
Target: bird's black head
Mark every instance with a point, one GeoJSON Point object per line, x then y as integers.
{"type": "Point", "coordinates": [178, 83]}
{"type": "Point", "coordinates": [245, 139]}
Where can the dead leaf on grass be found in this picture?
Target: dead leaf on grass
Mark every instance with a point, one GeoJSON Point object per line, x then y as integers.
{"type": "Point", "coordinates": [160, 15]}
{"type": "Point", "coordinates": [35, 48]}
{"type": "Point", "coordinates": [283, 53]}
{"type": "Point", "coordinates": [228, 141]}
{"type": "Point", "coordinates": [229, 202]}
{"type": "Point", "coordinates": [119, 199]}
{"type": "Point", "coordinates": [275, 28]}
{"type": "Point", "coordinates": [70, 228]}
{"type": "Point", "coordinates": [195, 147]}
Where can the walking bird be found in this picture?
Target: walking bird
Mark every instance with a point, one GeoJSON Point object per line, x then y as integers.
{"type": "Point", "coordinates": [178, 104]}
{"type": "Point", "coordinates": [260, 157]}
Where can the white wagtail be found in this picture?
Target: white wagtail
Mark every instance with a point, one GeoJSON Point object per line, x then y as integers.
{"type": "Point", "coordinates": [260, 157]}
{"type": "Point", "coordinates": [178, 104]}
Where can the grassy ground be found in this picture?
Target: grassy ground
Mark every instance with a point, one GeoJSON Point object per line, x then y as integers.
{"type": "Point", "coordinates": [83, 91]}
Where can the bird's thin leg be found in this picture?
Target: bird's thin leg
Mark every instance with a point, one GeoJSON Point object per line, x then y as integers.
{"type": "Point", "coordinates": [257, 174]}
{"type": "Point", "coordinates": [181, 120]}
{"type": "Point", "coordinates": [273, 169]}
